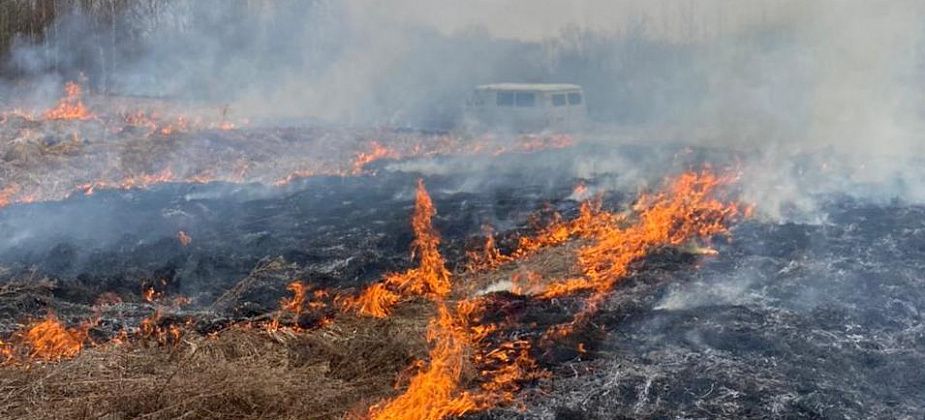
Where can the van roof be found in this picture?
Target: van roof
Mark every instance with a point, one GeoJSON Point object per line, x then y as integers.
{"type": "Point", "coordinates": [542, 87]}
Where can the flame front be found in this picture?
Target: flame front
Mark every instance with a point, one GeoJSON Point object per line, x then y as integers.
{"type": "Point", "coordinates": [430, 278]}
{"type": "Point", "coordinates": [685, 210]}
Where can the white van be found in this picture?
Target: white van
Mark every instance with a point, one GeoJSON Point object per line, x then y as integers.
{"type": "Point", "coordinates": [526, 106]}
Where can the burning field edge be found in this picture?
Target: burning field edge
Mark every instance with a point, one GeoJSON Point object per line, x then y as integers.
{"type": "Point", "coordinates": [426, 343]}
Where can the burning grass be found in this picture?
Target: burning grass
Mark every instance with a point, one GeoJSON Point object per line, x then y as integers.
{"type": "Point", "coordinates": [79, 147]}
{"type": "Point", "coordinates": [422, 344]}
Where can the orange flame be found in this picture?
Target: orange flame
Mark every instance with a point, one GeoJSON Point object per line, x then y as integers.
{"type": "Point", "coordinates": [685, 210]}
{"type": "Point", "coordinates": [434, 393]}
{"type": "Point", "coordinates": [151, 328]}
{"type": "Point", "coordinates": [150, 295]}
{"type": "Point", "coordinates": [377, 151]}
{"type": "Point", "coordinates": [591, 220]}
{"type": "Point", "coordinates": [490, 257]}
{"type": "Point", "coordinates": [457, 347]}
{"type": "Point", "coordinates": [457, 340]}
{"type": "Point", "coordinates": [51, 340]}
{"type": "Point", "coordinates": [7, 194]}
{"type": "Point", "coordinates": [430, 278]}
{"type": "Point", "coordinates": [295, 303]}
{"type": "Point", "coordinates": [71, 106]}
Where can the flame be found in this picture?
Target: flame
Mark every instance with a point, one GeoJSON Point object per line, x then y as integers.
{"type": "Point", "coordinates": [580, 192]}
{"type": "Point", "coordinates": [591, 220]}
{"type": "Point", "coordinates": [8, 193]}
{"type": "Point", "coordinates": [151, 329]}
{"type": "Point", "coordinates": [298, 304]}
{"type": "Point", "coordinates": [470, 367]}
{"type": "Point", "coordinates": [295, 303]}
{"type": "Point", "coordinates": [51, 340]}
{"type": "Point", "coordinates": [71, 106]}
{"type": "Point", "coordinates": [684, 210]}
{"type": "Point", "coordinates": [130, 182]}
{"type": "Point", "coordinates": [490, 257]}
{"type": "Point", "coordinates": [150, 295]}
{"type": "Point", "coordinates": [400, 146]}
{"type": "Point", "coordinates": [457, 338]}
{"type": "Point", "coordinates": [430, 278]}
{"type": "Point", "coordinates": [458, 350]}
{"type": "Point", "coordinates": [434, 393]}
{"type": "Point", "coordinates": [377, 151]}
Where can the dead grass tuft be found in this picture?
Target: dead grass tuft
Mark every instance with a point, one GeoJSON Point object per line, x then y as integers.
{"type": "Point", "coordinates": [239, 373]}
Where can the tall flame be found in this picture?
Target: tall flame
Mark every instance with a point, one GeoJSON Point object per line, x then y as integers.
{"type": "Point", "coordinates": [430, 278]}
{"type": "Point", "coordinates": [434, 393]}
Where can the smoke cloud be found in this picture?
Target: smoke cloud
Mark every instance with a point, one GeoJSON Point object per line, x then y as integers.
{"type": "Point", "coordinates": [815, 98]}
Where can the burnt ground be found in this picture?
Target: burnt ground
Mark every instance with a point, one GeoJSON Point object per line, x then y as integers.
{"type": "Point", "coordinates": [332, 232]}
{"type": "Point", "coordinates": [788, 321]}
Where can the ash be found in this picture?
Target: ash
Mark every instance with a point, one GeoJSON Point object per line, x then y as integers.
{"type": "Point", "coordinates": [789, 321]}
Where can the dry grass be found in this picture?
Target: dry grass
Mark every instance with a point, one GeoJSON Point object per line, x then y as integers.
{"type": "Point", "coordinates": [240, 373]}
{"type": "Point", "coordinates": [245, 373]}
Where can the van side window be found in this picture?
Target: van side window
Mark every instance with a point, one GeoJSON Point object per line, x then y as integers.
{"type": "Point", "coordinates": [558, 99]}
{"type": "Point", "coordinates": [574, 99]}
{"type": "Point", "coordinates": [505, 98]}
{"type": "Point", "coordinates": [526, 99]}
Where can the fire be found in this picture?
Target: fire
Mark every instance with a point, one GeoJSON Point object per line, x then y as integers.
{"type": "Point", "coordinates": [686, 209]}
{"type": "Point", "coordinates": [130, 182]}
{"type": "Point", "coordinates": [153, 329]}
{"type": "Point", "coordinates": [458, 339]}
{"type": "Point", "coordinates": [71, 106]}
{"type": "Point", "coordinates": [295, 303]}
{"type": "Point", "coordinates": [430, 278]}
{"type": "Point", "coordinates": [377, 151]}
{"type": "Point", "coordinates": [459, 351]}
{"type": "Point", "coordinates": [434, 393]}
{"type": "Point", "coordinates": [51, 340]}
{"type": "Point", "coordinates": [150, 295]}
{"type": "Point", "coordinates": [181, 125]}
{"type": "Point", "coordinates": [298, 304]}
{"type": "Point", "coordinates": [7, 194]}
{"type": "Point", "coordinates": [580, 192]}
{"type": "Point", "coordinates": [140, 119]}
{"type": "Point", "coordinates": [363, 153]}
{"type": "Point", "coordinates": [490, 257]}
{"type": "Point", "coordinates": [591, 220]}
{"type": "Point", "coordinates": [460, 355]}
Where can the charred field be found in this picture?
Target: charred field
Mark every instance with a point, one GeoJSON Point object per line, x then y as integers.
{"type": "Point", "coordinates": [410, 210]}
{"type": "Point", "coordinates": [181, 297]}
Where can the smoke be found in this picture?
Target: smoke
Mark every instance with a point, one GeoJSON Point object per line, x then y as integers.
{"type": "Point", "coordinates": [816, 98]}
